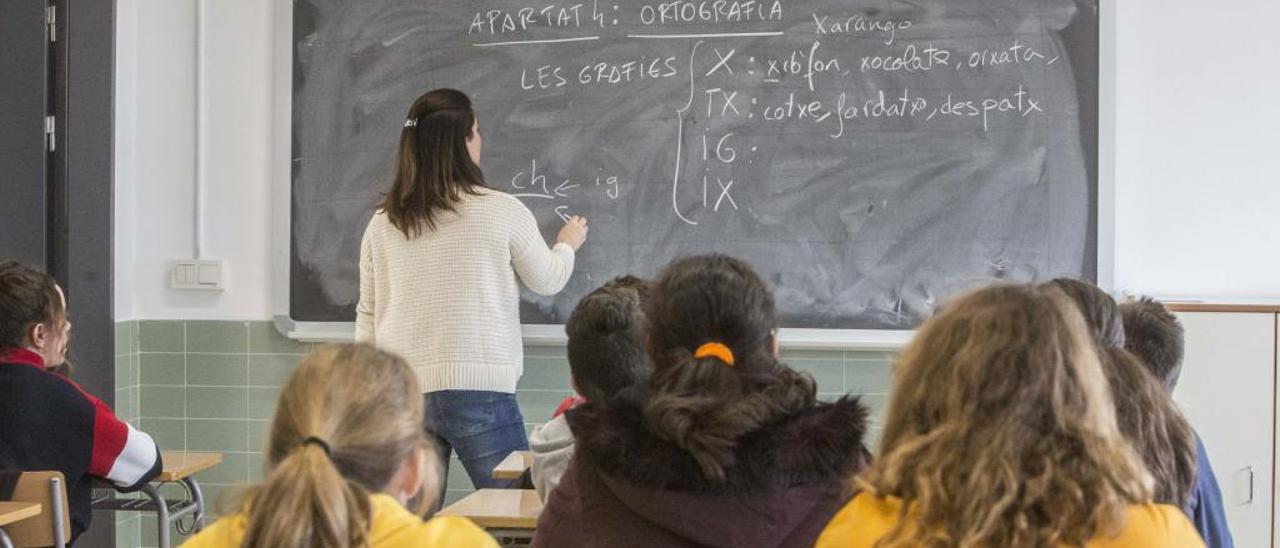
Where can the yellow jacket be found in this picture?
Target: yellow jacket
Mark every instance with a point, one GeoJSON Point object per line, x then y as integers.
{"type": "Point", "coordinates": [393, 527]}
{"type": "Point", "coordinates": [867, 518]}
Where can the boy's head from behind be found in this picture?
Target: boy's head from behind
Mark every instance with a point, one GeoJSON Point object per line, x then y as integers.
{"type": "Point", "coordinates": [606, 339]}
{"type": "Point", "coordinates": [1155, 336]}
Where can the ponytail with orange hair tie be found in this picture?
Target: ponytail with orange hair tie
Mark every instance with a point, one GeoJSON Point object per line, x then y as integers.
{"type": "Point", "coordinates": [716, 349]}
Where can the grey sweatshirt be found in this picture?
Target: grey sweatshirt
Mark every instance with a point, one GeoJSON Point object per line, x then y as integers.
{"type": "Point", "coordinates": [552, 446]}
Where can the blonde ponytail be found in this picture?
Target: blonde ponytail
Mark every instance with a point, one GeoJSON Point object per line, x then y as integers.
{"type": "Point", "coordinates": [347, 418]}
{"type": "Point", "coordinates": [324, 509]}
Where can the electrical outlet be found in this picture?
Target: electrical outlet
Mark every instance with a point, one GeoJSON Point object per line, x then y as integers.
{"type": "Point", "coordinates": [200, 275]}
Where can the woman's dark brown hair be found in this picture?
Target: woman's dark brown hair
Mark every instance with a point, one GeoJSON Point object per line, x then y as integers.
{"type": "Point", "coordinates": [1100, 311]}
{"type": "Point", "coordinates": [1154, 426]}
{"type": "Point", "coordinates": [705, 405]}
{"type": "Point", "coordinates": [433, 166]}
{"type": "Point", "coordinates": [1145, 413]}
{"type": "Point", "coordinates": [27, 297]}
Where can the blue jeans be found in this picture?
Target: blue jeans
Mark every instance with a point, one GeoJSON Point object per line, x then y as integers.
{"type": "Point", "coordinates": [483, 427]}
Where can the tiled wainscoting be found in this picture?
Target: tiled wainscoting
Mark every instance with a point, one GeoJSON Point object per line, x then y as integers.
{"type": "Point", "coordinates": [213, 385]}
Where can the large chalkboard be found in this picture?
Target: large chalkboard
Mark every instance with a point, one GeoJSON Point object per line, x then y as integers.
{"type": "Point", "coordinates": [870, 158]}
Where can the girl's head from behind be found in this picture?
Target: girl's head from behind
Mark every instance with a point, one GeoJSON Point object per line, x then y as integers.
{"type": "Point", "coordinates": [1101, 312]}
{"type": "Point", "coordinates": [438, 161]}
{"type": "Point", "coordinates": [711, 299]}
{"type": "Point", "coordinates": [1001, 430]}
{"type": "Point", "coordinates": [1145, 413]}
{"type": "Point", "coordinates": [1152, 423]}
{"type": "Point", "coordinates": [348, 423]}
{"type": "Point", "coordinates": [716, 375]}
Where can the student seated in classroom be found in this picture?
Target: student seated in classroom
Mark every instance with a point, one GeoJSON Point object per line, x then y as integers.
{"type": "Point", "coordinates": [1000, 431]}
{"type": "Point", "coordinates": [606, 355]}
{"type": "Point", "coordinates": [346, 454]}
{"type": "Point", "coordinates": [47, 422]}
{"type": "Point", "coordinates": [725, 446]}
{"type": "Point", "coordinates": [1145, 413]}
{"type": "Point", "coordinates": [1155, 336]}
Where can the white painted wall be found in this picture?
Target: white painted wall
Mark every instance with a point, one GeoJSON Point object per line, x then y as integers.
{"type": "Point", "coordinates": [238, 83]}
{"type": "Point", "coordinates": [124, 197]}
{"type": "Point", "coordinates": [1197, 163]}
{"type": "Point", "coordinates": [1197, 153]}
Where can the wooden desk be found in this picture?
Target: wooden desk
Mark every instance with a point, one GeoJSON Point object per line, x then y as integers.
{"type": "Point", "coordinates": [514, 465]}
{"type": "Point", "coordinates": [180, 467]}
{"type": "Point", "coordinates": [12, 512]}
{"type": "Point", "coordinates": [509, 513]}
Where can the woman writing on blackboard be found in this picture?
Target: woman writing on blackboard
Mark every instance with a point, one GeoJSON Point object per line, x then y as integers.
{"type": "Point", "coordinates": [438, 269]}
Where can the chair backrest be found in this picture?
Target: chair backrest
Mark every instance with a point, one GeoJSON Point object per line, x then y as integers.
{"type": "Point", "coordinates": [40, 531]}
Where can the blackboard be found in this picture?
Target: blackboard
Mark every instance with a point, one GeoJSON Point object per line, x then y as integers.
{"type": "Point", "coordinates": [870, 158]}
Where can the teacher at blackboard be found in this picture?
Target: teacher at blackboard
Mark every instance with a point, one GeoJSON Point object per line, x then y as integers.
{"type": "Point", "coordinates": [439, 264]}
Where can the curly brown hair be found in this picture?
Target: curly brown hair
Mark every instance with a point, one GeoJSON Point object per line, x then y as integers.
{"type": "Point", "coordinates": [1001, 430]}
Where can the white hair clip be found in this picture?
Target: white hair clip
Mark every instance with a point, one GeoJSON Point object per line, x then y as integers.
{"type": "Point", "coordinates": [412, 122]}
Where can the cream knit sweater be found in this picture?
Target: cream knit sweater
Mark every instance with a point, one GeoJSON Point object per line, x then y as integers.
{"type": "Point", "coordinates": [448, 300]}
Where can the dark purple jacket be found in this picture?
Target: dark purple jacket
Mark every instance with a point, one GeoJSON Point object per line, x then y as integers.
{"type": "Point", "coordinates": [626, 487]}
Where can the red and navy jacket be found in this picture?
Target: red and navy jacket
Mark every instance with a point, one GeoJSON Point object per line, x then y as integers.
{"type": "Point", "coordinates": [47, 422]}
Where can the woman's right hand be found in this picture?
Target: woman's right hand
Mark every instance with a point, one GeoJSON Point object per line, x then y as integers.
{"type": "Point", "coordinates": [574, 232]}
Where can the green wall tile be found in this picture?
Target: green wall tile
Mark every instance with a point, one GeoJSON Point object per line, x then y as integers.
{"type": "Point", "coordinates": [166, 402]}
{"type": "Point", "coordinates": [126, 405]}
{"type": "Point", "coordinates": [124, 372]}
{"type": "Point", "coordinates": [867, 379]}
{"type": "Point", "coordinates": [869, 355]}
{"type": "Point", "coordinates": [258, 432]}
{"type": "Point", "coordinates": [217, 369]}
{"type": "Point", "coordinates": [150, 535]}
{"type": "Point", "coordinates": [537, 405]}
{"type": "Point", "coordinates": [830, 397]}
{"type": "Point", "coordinates": [876, 402]}
{"type": "Point", "coordinates": [828, 373]}
{"type": "Point", "coordinates": [271, 369]}
{"type": "Point", "coordinates": [559, 352]}
{"type": "Point", "coordinates": [217, 435]}
{"type": "Point", "coordinates": [545, 374]}
{"type": "Point", "coordinates": [161, 336]}
{"type": "Point", "coordinates": [162, 369]}
{"type": "Point", "coordinates": [124, 339]}
{"type": "Point", "coordinates": [222, 499]}
{"type": "Point", "coordinates": [128, 533]}
{"type": "Point", "coordinates": [458, 478]}
{"type": "Point", "coordinates": [264, 338]}
{"type": "Point", "coordinates": [170, 434]}
{"type": "Point", "coordinates": [262, 402]}
{"type": "Point", "coordinates": [825, 355]}
{"type": "Point", "coordinates": [257, 463]}
{"type": "Point", "coordinates": [218, 337]}
{"type": "Point", "coordinates": [205, 402]}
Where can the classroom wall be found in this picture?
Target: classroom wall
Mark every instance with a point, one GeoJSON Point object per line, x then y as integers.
{"type": "Point", "coordinates": [1197, 175]}
{"type": "Point", "coordinates": [155, 158]}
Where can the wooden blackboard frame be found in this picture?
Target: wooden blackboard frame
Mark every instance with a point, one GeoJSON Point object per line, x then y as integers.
{"type": "Point", "coordinates": [553, 335]}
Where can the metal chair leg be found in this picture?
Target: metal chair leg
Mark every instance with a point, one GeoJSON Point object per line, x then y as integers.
{"type": "Point", "coordinates": [197, 496]}
{"type": "Point", "coordinates": [5, 542]}
{"type": "Point", "coordinates": [162, 513]}
{"type": "Point", "coordinates": [56, 489]}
